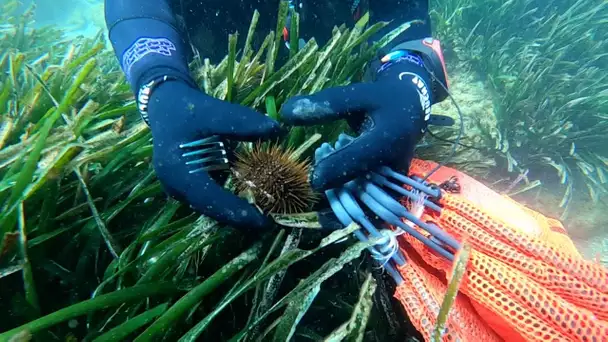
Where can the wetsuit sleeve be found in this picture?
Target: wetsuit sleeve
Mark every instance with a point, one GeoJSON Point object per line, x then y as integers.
{"type": "Point", "coordinates": [399, 12]}
{"type": "Point", "coordinates": [146, 40]}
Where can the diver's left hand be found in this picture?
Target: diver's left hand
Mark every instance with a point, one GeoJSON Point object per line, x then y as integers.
{"type": "Point", "coordinates": [390, 115]}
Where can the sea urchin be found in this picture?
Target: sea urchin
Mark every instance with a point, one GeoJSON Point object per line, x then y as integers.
{"type": "Point", "coordinates": [277, 180]}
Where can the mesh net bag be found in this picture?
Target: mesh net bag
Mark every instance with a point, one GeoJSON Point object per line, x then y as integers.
{"type": "Point", "coordinates": [524, 281]}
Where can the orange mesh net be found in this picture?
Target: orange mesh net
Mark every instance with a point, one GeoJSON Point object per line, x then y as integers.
{"type": "Point", "coordinates": [524, 281]}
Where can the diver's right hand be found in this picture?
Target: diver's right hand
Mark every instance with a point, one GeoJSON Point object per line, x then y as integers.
{"type": "Point", "coordinates": [178, 114]}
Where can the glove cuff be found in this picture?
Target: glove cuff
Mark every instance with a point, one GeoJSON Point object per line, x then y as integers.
{"type": "Point", "coordinates": [148, 46]}
{"type": "Point", "coordinates": [409, 70]}
{"type": "Point", "coordinates": [428, 51]}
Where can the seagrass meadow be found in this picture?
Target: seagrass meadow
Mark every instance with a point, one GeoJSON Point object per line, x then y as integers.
{"type": "Point", "coordinates": [535, 86]}
{"type": "Point", "coordinates": [92, 249]}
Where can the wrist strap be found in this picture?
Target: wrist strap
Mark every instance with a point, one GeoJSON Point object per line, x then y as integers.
{"type": "Point", "coordinates": [399, 56]}
{"type": "Point", "coordinates": [145, 92]}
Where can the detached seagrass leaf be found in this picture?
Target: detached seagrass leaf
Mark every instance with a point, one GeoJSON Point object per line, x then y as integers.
{"type": "Point", "coordinates": [303, 148]}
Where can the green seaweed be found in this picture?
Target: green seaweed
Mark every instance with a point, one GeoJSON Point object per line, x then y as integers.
{"type": "Point", "coordinates": [85, 221]}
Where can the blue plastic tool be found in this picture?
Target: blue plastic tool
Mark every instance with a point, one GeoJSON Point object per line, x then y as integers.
{"type": "Point", "coordinates": [208, 154]}
{"type": "Point", "coordinates": [373, 191]}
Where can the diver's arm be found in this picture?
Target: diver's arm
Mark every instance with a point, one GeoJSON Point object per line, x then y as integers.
{"type": "Point", "coordinates": [146, 41]}
{"type": "Point", "coordinates": [416, 44]}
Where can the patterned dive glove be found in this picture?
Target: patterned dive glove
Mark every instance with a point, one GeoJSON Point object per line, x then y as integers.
{"type": "Point", "coordinates": [153, 57]}
{"type": "Point", "coordinates": [390, 115]}
{"type": "Point", "coordinates": [180, 113]}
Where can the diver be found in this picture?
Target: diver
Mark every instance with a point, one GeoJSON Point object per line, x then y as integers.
{"type": "Point", "coordinates": [152, 40]}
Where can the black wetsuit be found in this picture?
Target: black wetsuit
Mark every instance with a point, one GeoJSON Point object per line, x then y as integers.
{"type": "Point", "coordinates": [209, 22]}
{"type": "Point", "coordinates": [206, 23]}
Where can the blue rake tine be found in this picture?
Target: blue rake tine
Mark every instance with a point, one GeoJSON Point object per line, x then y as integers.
{"type": "Point", "coordinates": [209, 168]}
{"type": "Point", "coordinates": [435, 231]}
{"type": "Point", "coordinates": [381, 180]}
{"type": "Point", "coordinates": [202, 142]}
{"type": "Point", "coordinates": [347, 210]}
{"type": "Point", "coordinates": [354, 211]}
{"type": "Point", "coordinates": [388, 172]}
{"type": "Point", "coordinates": [354, 188]}
{"type": "Point", "coordinates": [219, 148]}
{"type": "Point", "coordinates": [206, 160]}
{"type": "Point", "coordinates": [213, 152]}
{"type": "Point", "coordinates": [379, 202]}
{"type": "Point", "coordinates": [388, 209]}
{"type": "Point", "coordinates": [346, 219]}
